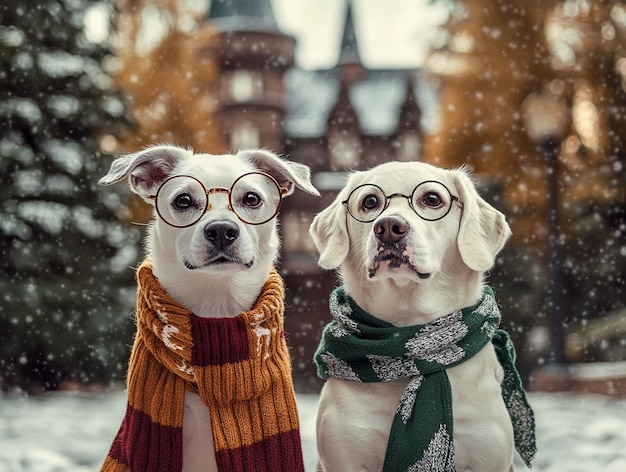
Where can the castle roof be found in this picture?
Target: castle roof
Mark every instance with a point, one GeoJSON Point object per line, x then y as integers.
{"type": "Point", "coordinates": [378, 96]}
{"type": "Point", "coordinates": [242, 15]}
{"type": "Point", "coordinates": [377, 100]}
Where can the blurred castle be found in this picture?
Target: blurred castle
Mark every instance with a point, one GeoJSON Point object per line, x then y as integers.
{"type": "Point", "coordinates": [347, 117]}
{"type": "Point", "coordinates": [352, 117]}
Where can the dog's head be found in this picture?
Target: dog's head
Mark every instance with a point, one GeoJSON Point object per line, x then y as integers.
{"type": "Point", "coordinates": [410, 223]}
{"type": "Point", "coordinates": [214, 213]}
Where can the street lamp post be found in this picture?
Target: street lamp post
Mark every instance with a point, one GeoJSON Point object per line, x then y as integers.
{"type": "Point", "coordinates": [546, 119]}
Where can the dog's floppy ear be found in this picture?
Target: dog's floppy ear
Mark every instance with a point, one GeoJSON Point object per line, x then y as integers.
{"type": "Point", "coordinates": [483, 229]}
{"type": "Point", "coordinates": [329, 232]}
{"type": "Point", "coordinates": [286, 173]}
{"type": "Point", "coordinates": [146, 169]}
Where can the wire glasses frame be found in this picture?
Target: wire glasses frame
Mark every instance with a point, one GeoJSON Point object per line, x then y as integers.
{"type": "Point", "coordinates": [430, 200]}
{"type": "Point", "coordinates": [182, 200]}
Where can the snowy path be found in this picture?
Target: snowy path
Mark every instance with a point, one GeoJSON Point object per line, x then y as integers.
{"type": "Point", "coordinates": [69, 432]}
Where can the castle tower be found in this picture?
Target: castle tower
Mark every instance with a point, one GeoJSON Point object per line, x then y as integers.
{"type": "Point", "coordinates": [350, 67]}
{"type": "Point", "coordinates": [409, 137]}
{"type": "Point", "coordinates": [343, 130]}
{"type": "Point", "coordinates": [253, 56]}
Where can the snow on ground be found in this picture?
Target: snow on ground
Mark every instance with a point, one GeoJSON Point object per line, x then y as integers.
{"type": "Point", "coordinates": [71, 432]}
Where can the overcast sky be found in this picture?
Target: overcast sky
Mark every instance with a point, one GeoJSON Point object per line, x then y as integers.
{"type": "Point", "coordinates": [391, 33]}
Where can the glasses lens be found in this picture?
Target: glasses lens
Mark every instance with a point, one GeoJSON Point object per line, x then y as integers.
{"type": "Point", "coordinates": [255, 198]}
{"type": "Point", "coordinates": [181, 201]}
{"type": "Point", "coordinates": [431, 200]}
{"type": "Point", "coordinates": [366, 202]}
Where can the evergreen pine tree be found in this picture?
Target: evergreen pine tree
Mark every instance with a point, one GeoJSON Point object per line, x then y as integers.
{"type": "Point", "coordinates": [65, 281]}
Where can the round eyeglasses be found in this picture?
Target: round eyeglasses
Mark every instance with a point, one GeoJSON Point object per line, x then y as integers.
{"type": "Point", "coordinates": [182, 200]}
{"type": "Point", "coordinates": [430, 200]}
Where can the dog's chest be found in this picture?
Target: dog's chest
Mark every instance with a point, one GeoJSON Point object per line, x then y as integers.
{"type": "Point", "coordinates": [198, 450]}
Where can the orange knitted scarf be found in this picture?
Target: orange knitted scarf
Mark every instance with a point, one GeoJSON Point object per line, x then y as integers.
{"type": "Point", "coordinates": [239, 366]}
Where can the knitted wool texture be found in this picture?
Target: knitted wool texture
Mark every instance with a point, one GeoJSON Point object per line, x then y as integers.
{"type": "Point", "coordinates": [239, 366]}
{"type": "Point", "coordinates": [358, 347]}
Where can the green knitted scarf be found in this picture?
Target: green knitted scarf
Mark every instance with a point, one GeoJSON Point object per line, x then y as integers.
{"type": "Point", "coordinates": [358, 347]}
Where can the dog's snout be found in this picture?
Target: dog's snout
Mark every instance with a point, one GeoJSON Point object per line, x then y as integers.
{"type": "Point", "coordinates": [391, 230]}
{"type": "Point", "coordinates": [221, 233]}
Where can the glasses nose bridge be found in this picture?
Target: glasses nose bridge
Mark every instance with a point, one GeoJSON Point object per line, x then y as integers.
{"type": "Point", "coordinates": [218, 190]}
{"type": "Point", "coordinates": [213, 190]}
{"type": "Point", "coordinates": [394, 195]}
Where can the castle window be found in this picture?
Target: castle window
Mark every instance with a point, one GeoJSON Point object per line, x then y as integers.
{"type": "Point", "coordinates": [295, 230]}
{"type": "Point", "coordinates": [244, 85]}
{"type": "Point", "coordinates": [408, 147]}
{"type": "Point", "coordinates": [344, 149]}
{"type": "Point", "coordinates": [245, 136]}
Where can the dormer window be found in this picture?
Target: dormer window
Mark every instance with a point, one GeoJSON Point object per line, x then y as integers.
{"type": "Point", "coordinates": [408, 147]}
{"type": "Point", "coordinates": [245, 136]}
{"type": "Point", "coordinates": [344, 149]}
{"type": "Point", "coordinates": [244, 85]}
{"type": "Point", "coordinates": [295, 226]}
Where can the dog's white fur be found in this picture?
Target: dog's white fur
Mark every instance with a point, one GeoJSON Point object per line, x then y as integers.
{"type": "Point", "coordinates": [187, 264]}
{"type": "Point", "coordinates": [354, 419]}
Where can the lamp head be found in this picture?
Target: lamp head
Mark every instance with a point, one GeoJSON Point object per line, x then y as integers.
{"type": "Point", "coordinates": [545, 117]}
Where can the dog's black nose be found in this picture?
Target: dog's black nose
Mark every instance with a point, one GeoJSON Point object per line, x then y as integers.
{"type": "Point", "coordinates": [391, 230]}
{"type": "Point", "coordinates": [221, 233]}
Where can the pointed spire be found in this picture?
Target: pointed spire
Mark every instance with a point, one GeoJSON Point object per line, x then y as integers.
{"type": "Point", "coordinates": [409, 135]}
{"type": "Point", "coordinates": [410, 112]}
{"type": "Point", "coordinates": [253, 15]}
{"type": "Point", "coordinates": [350, 68]}
{"type": "Point", "coordinates": [343, 116]}
{"type": "Point", "coordinates": [349, 48]}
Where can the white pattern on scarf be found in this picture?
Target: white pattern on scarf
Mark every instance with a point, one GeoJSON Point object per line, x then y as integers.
{"type": "Point", "coordinates": [437, 341]}
{"type": "Point", "coordinates": [338, 368]}
{"type": "Point", "coordinates": [489, 309]}
{"type": "Point", "coordinates": [186, 369]}
{"type": "Point", "coordinates": [407, 402]}
{"type": "Point", "coordinates": [261, 333]}
{"type": "Point", "coordinates": [389, 368]}
{"type": "Point", "coordinates": [438, 456]}
{"type": "Point", "coordinates": [342, 313]}
{"type": "Point", "coordinates": [166, 332]}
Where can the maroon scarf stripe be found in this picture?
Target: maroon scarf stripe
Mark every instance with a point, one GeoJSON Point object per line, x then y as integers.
{"type": "Point", "coordinates": [225, 341]}
{"type": "Point", "coordinates": [282, 453]}
{"type": "Point", "coordinates": [142, 444]}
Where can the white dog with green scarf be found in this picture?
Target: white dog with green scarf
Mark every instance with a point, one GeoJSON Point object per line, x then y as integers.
{"type": "Point", "coordinates": [419, 377]}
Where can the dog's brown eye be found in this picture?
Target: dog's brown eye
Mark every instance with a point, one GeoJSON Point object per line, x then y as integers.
{"type": "Point", "coordinates": [251, 200]}
{"type": "Point", "coordinates": [432, 200]}
{"type": "Point", "coordinates": [183, 201]}
{"type": "Point", "coordinates": [370, 202]}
